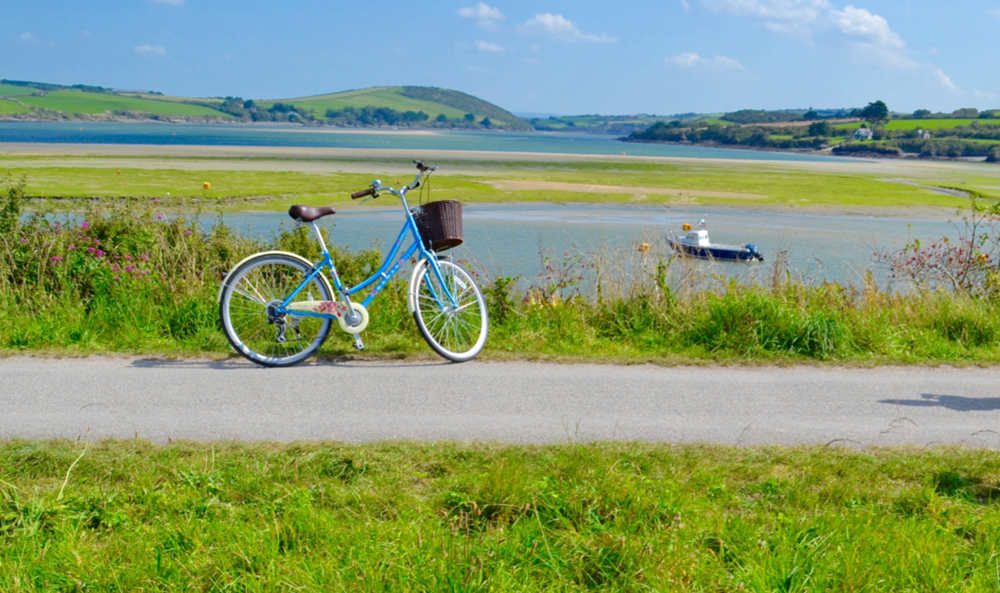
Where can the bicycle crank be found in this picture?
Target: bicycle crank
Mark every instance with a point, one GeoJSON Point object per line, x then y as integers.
{"type": "Point", "coordinates": [355, 321]}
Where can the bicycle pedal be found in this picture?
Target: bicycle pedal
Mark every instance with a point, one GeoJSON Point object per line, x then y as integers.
{"type": "Point", "coordinates": [358, 344]}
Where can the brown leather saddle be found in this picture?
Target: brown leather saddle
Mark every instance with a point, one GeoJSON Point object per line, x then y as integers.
{"type": "Point", "coordinates": [309, 213]}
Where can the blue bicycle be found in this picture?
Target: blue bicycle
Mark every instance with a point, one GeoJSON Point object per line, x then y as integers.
{"type": "Point", "coordinates": [277, 307]}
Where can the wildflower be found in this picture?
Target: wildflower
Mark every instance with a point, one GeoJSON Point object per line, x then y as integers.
{"type": "Point", "coordinates": [23, 240]}
{"type": "Point", "coordinates": [118, 277]}
{"type": "Point", "coordinates": [129, 268]}
{"type": "Point", "coordinates": [187, 233]}
{"type": "Point", "coordinates": [84, 225]}
{"type": "Point", "coordinates": [144, 257]}
{"type": "Point", "coordinates": [159, 217]}
{"type": "Point", "coordinates": [56, 258]}
{"type": "Point", "coordinates": [99, 253]}
{"type": "Point", "coordinates": [128, 258]}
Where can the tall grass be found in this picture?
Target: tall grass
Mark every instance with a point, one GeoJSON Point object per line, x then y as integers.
{"type": "Point", "coordinates": [130, 516]}
{"type": "Point", "coordinates": [122, 276]}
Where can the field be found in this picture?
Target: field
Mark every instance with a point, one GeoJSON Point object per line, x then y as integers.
{"type": "Point", "coordinates": [934, 124]}
{"type": "Point", "coordinates": [267, 180]}
{"type": "Point", "coordinates": [382, 97]}
{"type": "Point", "coordinates": [10, 107]}
{"type": "Point", "coordinates": [131, 516]}
{"type": "Point", "coordinates": [74, 101]}
{"type": "Point", "coordinates": [11, 90]}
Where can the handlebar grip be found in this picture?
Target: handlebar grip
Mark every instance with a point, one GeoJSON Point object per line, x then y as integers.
{"type": "Point", "coordinates": [363, 193]}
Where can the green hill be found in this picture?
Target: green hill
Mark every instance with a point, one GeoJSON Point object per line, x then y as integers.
{"type": "Point", "coordinates": [403, 106]}
{"type": "Point", "coordinates": [428, 106]}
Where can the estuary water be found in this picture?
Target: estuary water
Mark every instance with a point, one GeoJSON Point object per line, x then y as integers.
{"type": "Point", "coordinates": [256, 135]}
{"type": "Point", "coordinates": [513, 240]}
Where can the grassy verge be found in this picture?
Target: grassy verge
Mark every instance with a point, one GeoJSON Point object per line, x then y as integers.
{"type": "Point", "coordinates": [122, 279]}
{"type": "Point", "coordinates": [131, 516]}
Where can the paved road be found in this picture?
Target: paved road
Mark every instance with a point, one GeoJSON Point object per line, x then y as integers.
{"type": "Point", "coordinates": [512, 402]}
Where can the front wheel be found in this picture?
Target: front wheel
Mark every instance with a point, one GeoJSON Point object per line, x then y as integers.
{"type": "Point", "coordinates": [249, 309]}
{"type": "Point", "coordinates": [451, 317]}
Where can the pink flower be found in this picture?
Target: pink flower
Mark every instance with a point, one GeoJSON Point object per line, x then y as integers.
{"type": "Point", "coordinates": [84, 226]}
{"type": "Point", "coordinates": [159, 217]}
{"type": "Point", "coordinates": [187, 233]}
{"type": "Point", "coordinates": [129, 268]}
{"type": "Point", "coordinates": [71, 248]}
{"type": "Point", "coordinates": [56, 258]}
{"type": "Point", "coordinates": [128, 257]}
{"type": "Point", "coordinates": [23, 240]}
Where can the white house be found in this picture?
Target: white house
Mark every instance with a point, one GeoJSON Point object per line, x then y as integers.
{"type": "Point", "coordinates": [863, 134]}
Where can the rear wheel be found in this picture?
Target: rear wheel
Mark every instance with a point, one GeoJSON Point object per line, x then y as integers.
{"type": "Point", "coordinates": [456, 331]}
{"type": "Point", "coordinates": [248, 311]}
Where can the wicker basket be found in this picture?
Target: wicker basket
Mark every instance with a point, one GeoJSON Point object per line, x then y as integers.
{"type": "Point", "coordinates": [440, 224]}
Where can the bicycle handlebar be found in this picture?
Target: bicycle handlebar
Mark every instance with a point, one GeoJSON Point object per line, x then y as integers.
{"type": "Point", "coordinates": [377, 185]}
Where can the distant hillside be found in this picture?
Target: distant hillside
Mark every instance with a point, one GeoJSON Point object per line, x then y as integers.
{"type": "Point", "coordinates": [405, 106]}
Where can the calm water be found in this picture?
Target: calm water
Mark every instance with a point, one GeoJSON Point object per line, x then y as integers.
{"type": "Point", "coordinates": [510, 240]}
{"type": "Point", "coordinates": [215, 135]}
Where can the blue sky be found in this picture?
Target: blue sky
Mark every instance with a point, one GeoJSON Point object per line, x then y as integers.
{"type": "Point", "coordinates": [551, 56]}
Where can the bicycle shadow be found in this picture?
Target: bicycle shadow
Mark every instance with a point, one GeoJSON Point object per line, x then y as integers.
{"type": "Point", "coordinates": [238, 363]}
{"type": "Point", "coordinates": [959, 403]}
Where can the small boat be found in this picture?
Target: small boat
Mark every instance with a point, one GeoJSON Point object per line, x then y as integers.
{"type": "Point", "coordinates": [695, 242]}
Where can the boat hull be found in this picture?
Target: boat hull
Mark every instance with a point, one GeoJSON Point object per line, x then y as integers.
{"type": "Point", "coordinates": [716, 252]}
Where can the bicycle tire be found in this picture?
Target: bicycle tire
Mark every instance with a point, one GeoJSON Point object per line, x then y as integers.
{"type": "Point", "coordinates": [457, 334]}
{"type": "Point", "coordinates": [246, 303]}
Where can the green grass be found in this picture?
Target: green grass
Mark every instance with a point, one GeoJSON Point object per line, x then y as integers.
{"type": "Point", "coordinates": [775, 185]}
{"type": "Point", "coordinates": [10, 107]}
{"type": "Point", "coordinates": [74, 101]}
{"type": "Point", "coordinates": [933, 124]}
{"type": "Point", "coordinates": [379, 96]}
{"type": "Point", "coordinates": [132, 516]}
{"type": "Point", "coordinates": [13, 90]}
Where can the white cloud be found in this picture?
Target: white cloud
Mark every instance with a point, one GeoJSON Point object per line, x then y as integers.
{"type": "Point", "coordinates": [859, 23]}
{"type": "Point", "coordinates": [787, 11]}
{"type": "Point", "coordinates": [562, 28]}
{"type": "Point", "coordinates": [945, 81]}
{"type": "Point", "coordinates": [693, 60]}
{"type": "Point", "coordinates": [149, 50]}
{"type": "Point", "coordinates": [27, 37]}
{"type": "Point", "coordinates": [995, 13]}
{"type": "Point", "coordinates": [485, 15]}
{"type": "Point", "coordinates": [866, 32]}
{"type": "Point", "coordinates": [871, 35]}
{"type": "Point", "coordinates": [487, 47]}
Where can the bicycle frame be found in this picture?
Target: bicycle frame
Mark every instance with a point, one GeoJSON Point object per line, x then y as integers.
{"type": "Point", "coordinates": [389, 268]}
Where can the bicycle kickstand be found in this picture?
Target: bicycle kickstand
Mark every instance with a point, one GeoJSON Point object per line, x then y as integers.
{"type": "Point", "coordinates": [358, 344]}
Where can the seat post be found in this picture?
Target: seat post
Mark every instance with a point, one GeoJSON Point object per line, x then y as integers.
{"type": "Point", "coordinates": [319, 237]}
